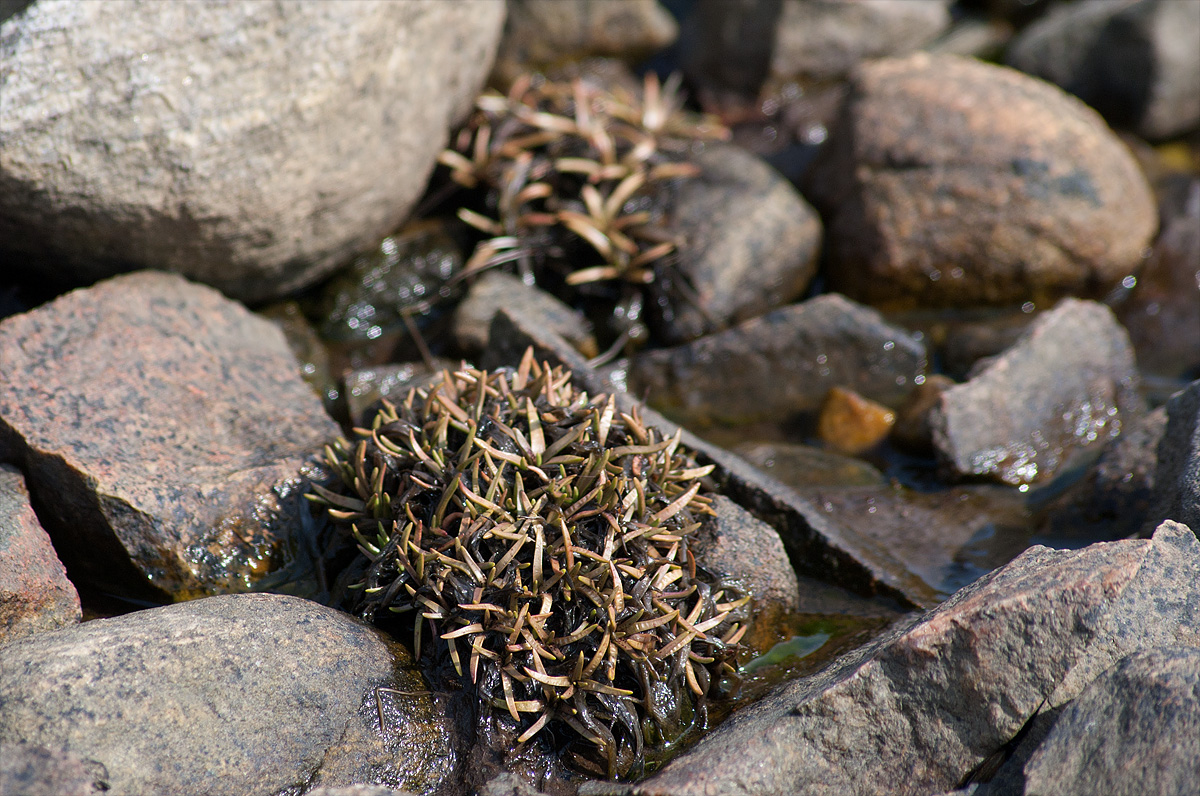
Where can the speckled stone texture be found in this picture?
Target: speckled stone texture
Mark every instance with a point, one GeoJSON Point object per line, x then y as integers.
{"type": "Point", "coordinates": [1066, 385]}
{"type": "Point", "coordinates": [735, 542]}
{"type": "Point", "coordinates": [35, 594]}
{"type": "Point", "coordinates": [916, 710]}
{"type": "Point", "coordinates": [254, 146]}
{"type": "Point", "coordinates": [162, 429]}
{"type": "Point", "coordinates": [245, 693]}
{"type": "Point", "coordinates": [951, 182]}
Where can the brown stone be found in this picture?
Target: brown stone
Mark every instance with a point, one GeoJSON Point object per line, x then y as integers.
{"type": "Point", "coordinates": [853, 424]}
{"type": "Point", "coordinates": [951, 182]}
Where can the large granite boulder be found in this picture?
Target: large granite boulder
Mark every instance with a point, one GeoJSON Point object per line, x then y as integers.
{"type": "Point", "coordinates": [252, 146]}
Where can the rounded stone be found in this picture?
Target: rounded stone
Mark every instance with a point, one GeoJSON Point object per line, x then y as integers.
{"type": "Point", "coordinates": [950, 182]}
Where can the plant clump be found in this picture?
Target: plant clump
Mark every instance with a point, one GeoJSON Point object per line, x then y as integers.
{"type": "Point", "coordinates": [573, 177]}
{"type": "Point", "coordinates": [545, 536]}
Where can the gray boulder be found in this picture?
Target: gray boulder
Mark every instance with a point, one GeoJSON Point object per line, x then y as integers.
{"type": "Point", "coordinates": [1135, 61]}
{"type": "Point", "coordinates": [162, 430]}
{"type": "Point", "coordinates": [252, 146]}
{"type": "Point", "coordinates": [918, 709]}
{"type": "Point", "coordinates": [248, 694]}
{"type": "Point", "coordinates": [35, 594]}
{"type": "Point", "coordinates": [749, 242]}
{"type": "Point", "coordinates": [950, 182]}
{"type": "Point", "coordinates": [1066, 386]}
{"type": "Point", "coordinates": [1134, 731]}
{"type": "Point", "coordinates": [780, 363]}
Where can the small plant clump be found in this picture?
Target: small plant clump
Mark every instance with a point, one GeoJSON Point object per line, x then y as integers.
{"type": "Point", "coordinates": [545, 536]}
{"type": "Point", "coordinates": [570, 174]}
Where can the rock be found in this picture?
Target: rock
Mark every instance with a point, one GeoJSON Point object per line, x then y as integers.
{"type": "Point", "coordinates": [1135, 61]}
{"type": "Point", "coordinates": [852, 424]}
{"type": "Point", "coordinates": [780, 363]}
{"type": "Point", "coordinates": [367, 387]}
{"type": "Point", "coordinates": [913, 431]}
{"type": "Point", "coordinates": [35, 594]}
{"type": "Point", "coordinates": [725, 48]}
{"type": "Point", "coordinates": [252, 146]}
{"type": "Point", "coordinates": [357, 790]}
{"type": "Point", "coordinates": [1065, 387]}
{"type": "Point", "coordinates": [1177, 475]}
{"type": "Point", "coordinates": [750, 242]}
{"type": "Point", "coordinates": [950, 182]}
{"type": "Point", "coordinates": [1135, 730]}
{"type": "Point", "coordinates": [1163, 310]}
{"type": "Point", "coordinates": [247, 693]}
{"type": "Point", "coordinates": [801, 466]}
{"type": "Point", "coordinates": [496, 289]}
{"type": "Point", "coordinates": [917, 709]}
{"type": "Point", "coordinates": [543, 33]}
{"type": "Point", "coordinates": [824, 41]}
{"type": "Point", "coordinates": [162, 429]}
{"type": "Point", "coordinates": [31, 770]}
{"type": "Point", "coordinates": [735, 543]}
{"type": "Point", "coordinates": [306, 346]}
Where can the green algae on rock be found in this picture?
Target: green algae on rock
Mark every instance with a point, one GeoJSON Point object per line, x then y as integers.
{"type": "Point", "coordinates": [546, 537]}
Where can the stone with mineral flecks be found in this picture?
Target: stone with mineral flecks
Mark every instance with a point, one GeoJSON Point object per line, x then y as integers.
{"type": "Point", "coordinates": [162, 429]}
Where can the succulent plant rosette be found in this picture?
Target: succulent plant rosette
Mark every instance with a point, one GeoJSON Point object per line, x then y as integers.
{"type": "Point", "coordinates": [542, 539]}
{"type": "Point", "coordinates": [572, 180]}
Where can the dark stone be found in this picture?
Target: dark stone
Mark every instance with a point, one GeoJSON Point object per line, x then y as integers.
{"type": "Point", "coordinates": [781, 363]}
{"type": "Point", "coordinates": [1135, 730]}
{"type": "Point", "coordinates": [368, 387]}
{"type": "Point", "coordinates": [495, 290]}
{"type": "Point", "coordinates": [253, 147]}
{"type": "Point", "coordinates": [918, 709]}
{"type": "Point", "coordinates": [1065, 387]}
{"type": "Point", "coordinates": [950, 182]}
{"type": "Point", "coordinates": [162, 430]}
{"type": "Point", "coordinates": [35, 594]}
{"type": "Point", "coordinates": [246, 693]}
{"type": "Point", "coordinates": [1177, 475]}
{"type": "Point", "coordinates": [750, 242]}
{"type": "Point", "coordinates": [1135, 61]}
{"type": "Point", "coordinates": [913, 431]}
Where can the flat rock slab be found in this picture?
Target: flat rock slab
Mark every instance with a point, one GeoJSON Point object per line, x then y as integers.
{"type": "Point", "coordinates": [1134, 731]}
{"type": "Point", "coordinates": [247, 694]}
{"type": "Point", "coordinates": [251, 146]}
{"type": "Point", "coordinates": [162, 429]}
{"type": "Point", "coordinates": [1064, 387]}
{"type": "Point", "coordinates": [35, 594]}
{"type": "Point", "coordinates": [734, 541]}
{"type": "Point", "coordinates": [749, 242]}
{"type": "Point", "coordinates": [781, 363]}
{"type": "Point", "coordinates": [951, 182]}
{"type": "Point", "coordinates": [916, 710]}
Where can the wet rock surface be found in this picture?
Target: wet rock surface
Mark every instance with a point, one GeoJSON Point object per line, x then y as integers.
{"type": "Point", "coordinates": [1177, 475]}
{"type": "Point", "coordinates": [734, 541]}
{"type": "Point", "coordinates": [1135, 61]}
{"type": "Point", "coordinates": [1062, 389]}
{"type": "Point", "coordinates": [496, 289]}
{"type": "Point", "coordinates": [750, 242]}
{"type": "Point", "coordinates": [162, 429]}
{"type": "Point", "coordinates": [948, 181]}
{"type": "Point", "coordinates": [1135, 730]}
{"type": "Point", "coordinates": [35, 594]}
{"type": "Point", "coordinates": [782, 362]}
{"type": "Point", "coordinates": [186, 155]}
{"type": "Point", "coordinates": [916, 710]}
{"type": "Point", "coordinates": [243, 694]}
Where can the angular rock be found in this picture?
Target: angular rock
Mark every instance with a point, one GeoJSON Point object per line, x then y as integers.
{"type": "Point", "coordinates": [734, 541]}
{"type": "Point", "coordinates": [248, 693]}
{"type": "Point", "coordinates": [750, 242]}
{"type": "Point", "coordinates": [1065, 387]}
{"type": "Point", "coordinates": [781, 363]}
{"type": "Point", "coordinates": [1177, 475]}
{"type": "Point", "coordinates": [824, 41]}
{"type": "Point", "coordinates": [496, 289]}
{"type": "Point", "coordinates": [1135, 730]}
{"type": "Point", "coordinates": [1135, 61]}
{"type": "Point", "coordinates": [31, 770]}
{"type": "Point", "coordinates": [540, 33]}
{"type": "Point", "coordinates": [252, 146]}
{"type": "Point", "coordinates": [357, 790]}
{"type": "Point", "coordinates": [916, 710]}
{"type": "Point", "coordinates": [162, 429]}
{"type": "Point", "coordinates": [35, 594]}
{"type": "Point", "coordinates": [950, 182]}
{"type": "Point", "coordinates": [852, 424]}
